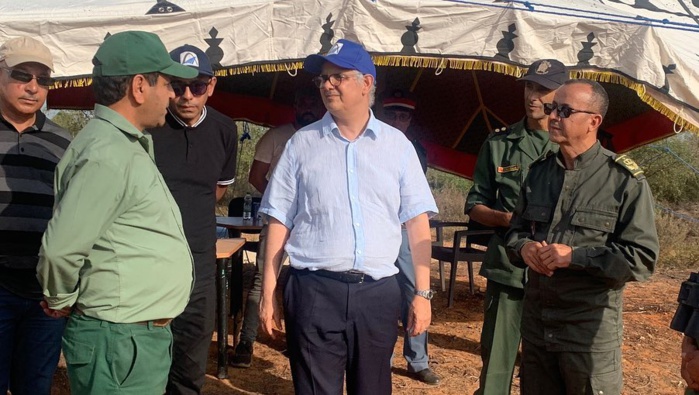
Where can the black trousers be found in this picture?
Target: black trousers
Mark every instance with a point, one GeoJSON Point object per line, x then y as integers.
{"type": "Point", "coordinates": [192, 331]}
{"type": "Point", "coordinates": [333, 327]}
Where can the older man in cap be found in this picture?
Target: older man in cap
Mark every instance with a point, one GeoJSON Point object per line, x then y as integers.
{"type": "Point", "coordinates": [336, 200]}
{"type": "Point", "coordinates": [114, 255]}
{"type": "Point", "coordinates": [195, 151]}
{"type": "Point", "coordinates": [31, 146]}
{"type": "Point", "coordinates": [502, 166]}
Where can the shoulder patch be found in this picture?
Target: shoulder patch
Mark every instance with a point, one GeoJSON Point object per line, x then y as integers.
{"type": "Point", "coordinates": [629, 164]}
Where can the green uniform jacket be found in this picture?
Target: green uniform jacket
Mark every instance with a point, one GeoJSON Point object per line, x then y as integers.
{"type": "Point", "coordinates": [115, 246]}
{"type": "Point", "coordinates": [501, 168]}
{"type": "Point", "coordinates": [603, 209]}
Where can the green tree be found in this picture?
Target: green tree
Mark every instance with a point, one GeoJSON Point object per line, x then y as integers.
{"type": "Point", "coordinates": [72, 120]}
{"type": "Point", "coordinates": [671, 167]}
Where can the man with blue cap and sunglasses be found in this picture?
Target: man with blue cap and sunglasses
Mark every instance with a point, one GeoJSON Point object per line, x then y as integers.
{"type": "Point", "coordinates": [336, 202]}
{"type": "Point", "coordinates": [196, 153]}
{"type": "Point", "coordinates": [114, 256]}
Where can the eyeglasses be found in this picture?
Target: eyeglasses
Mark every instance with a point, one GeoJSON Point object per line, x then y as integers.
{"type": "Point", "coordinates": [564, 110]}
{"type": "Point", "coordinates": [402, 116]}
{"type": "Point", "coordinates": [24, 77]}
{"type": "Point", "coordinates": [335, 79]}
{"type": "Point", "coordinates": [197, 87]}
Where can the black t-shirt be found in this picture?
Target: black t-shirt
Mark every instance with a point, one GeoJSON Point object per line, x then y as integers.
{"type": "Point", "coordinates": [193, 160]}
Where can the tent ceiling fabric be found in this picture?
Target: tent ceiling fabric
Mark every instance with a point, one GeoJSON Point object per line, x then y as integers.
{"type": "Point", "coordinates": [459, 58]}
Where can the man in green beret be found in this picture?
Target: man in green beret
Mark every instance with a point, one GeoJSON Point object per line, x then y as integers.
{"type": "Point", "coordinates": [114, 257]}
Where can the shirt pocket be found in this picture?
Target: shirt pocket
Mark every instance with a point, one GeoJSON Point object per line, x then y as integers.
{"type": "Point", "coordinates": [538, 217]}
{"type": "Point", "coordinates": [537, 213]}
{"type": "Point", "coordinates": [592, 226]}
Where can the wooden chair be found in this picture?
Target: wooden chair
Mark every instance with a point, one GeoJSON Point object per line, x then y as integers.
{"type": "Point", "coordinates": [463, 249]}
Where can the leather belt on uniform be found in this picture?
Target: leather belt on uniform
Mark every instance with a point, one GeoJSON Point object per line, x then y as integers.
{"type": "Point", "coordinates": [159, 323]}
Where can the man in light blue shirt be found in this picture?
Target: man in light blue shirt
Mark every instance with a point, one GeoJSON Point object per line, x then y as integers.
{"type": "Point", "coordinates": [336, 201]}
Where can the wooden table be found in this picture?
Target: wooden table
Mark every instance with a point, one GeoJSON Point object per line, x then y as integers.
{"type": "Point", "coordinates": [225, 249]}
{"type": "Point", "coordinates": [237, 226]}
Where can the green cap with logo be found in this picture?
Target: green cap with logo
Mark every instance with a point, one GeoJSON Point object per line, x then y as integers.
{"type": "Point", "coordinates": [136, 52]}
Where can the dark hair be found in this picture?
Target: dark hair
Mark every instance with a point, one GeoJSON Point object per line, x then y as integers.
{"type": "Point", "coordinates": [599, 99]}
{"type": "Point", "coordinates": [110, 89]}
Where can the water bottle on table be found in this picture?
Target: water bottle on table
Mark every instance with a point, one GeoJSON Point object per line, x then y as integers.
{"type": "Point", "coordinates": [247, 207]}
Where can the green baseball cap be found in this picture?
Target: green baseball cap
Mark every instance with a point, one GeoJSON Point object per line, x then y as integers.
{"type": "Point", "coordinates": [136, 52]}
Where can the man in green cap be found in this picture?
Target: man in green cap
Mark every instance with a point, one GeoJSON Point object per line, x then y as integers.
{"type": "Point", "coordinates": [502, 166]}
{"type": "Point", "coordinates": [114, 257]}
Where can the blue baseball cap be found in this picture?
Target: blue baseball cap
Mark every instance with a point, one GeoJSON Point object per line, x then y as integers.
{"type": "Point", "coordinates": [346, 54]}
{"type": "Point", "coordinates": [189, 55]}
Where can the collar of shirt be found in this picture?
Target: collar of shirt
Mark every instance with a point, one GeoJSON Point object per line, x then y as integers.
{"type": "Point", "coordinates": [329, 126]}
{"type": "Point", "coordinates": [39, 122]}
{"type": "Point", "coordinates": [108, 115]}
{"type": "Point", "coordinates": [583, 160]}
{"type": "Point", "coordinates": [183, 123]}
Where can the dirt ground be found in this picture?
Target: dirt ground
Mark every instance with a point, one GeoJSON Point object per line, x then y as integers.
{"type": "Point", "coordinates": [650, 351]}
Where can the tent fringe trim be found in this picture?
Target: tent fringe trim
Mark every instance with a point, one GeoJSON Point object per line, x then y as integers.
{"type": "Point", "coordinates": [605, 76]}
{"type": "Point", "coordinates": [440, 64]}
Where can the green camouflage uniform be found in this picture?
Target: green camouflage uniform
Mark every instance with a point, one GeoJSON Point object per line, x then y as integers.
{"type": "Point", "coordinates": [572, 323]}
{"type": "Point", "coordinates": [502, 166]}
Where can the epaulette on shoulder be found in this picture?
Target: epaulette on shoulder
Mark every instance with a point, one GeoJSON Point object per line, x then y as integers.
{"type": "Point", "coordinates": [499, 131]}
{"type": "Point", "coordinates": [631, 166]}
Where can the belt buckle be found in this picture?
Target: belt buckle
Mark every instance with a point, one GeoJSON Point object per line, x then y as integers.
{"type": "Point", "coordinates": [355, 273]}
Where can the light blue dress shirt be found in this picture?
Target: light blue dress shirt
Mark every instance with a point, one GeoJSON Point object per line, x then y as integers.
{"type": "Point", "coordinates": [344, 200]}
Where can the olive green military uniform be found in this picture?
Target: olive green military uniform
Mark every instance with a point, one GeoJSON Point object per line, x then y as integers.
{"type": "Point", "coordinates": [502, 166]}
{"type": "Point", "coordinates": [572, 321]}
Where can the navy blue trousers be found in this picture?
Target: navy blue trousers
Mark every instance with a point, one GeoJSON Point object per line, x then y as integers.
{"type": "Point", "coordinates": [30, 344]}
{"type": "Point", "coordinates": [334, 328]}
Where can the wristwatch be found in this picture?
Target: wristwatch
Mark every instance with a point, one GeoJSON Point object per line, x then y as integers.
{"type": "Point", "coordinates": [427, 294]}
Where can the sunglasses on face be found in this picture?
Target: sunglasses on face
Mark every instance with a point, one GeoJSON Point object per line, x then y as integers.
{"type": "Point", "coordinates": [197, 87]}
{"type": "Point", "coordinates": [335, 79]}
{"type": "Point", "coordinates": [564, 110]}
{"type": "Point", "coordinates": [401, 116]}
{"type": "Point", "coordinates": [24, 77]}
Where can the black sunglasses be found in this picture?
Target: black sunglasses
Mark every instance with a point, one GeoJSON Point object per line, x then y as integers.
{"type": "Point", "coordinates": [335, 79]}
{"type": "Point", "coordinates": [197, 87]}
{"type": "Point", "coordinates": [564, 110]}
{"type": "Point", "coordinates": [24, 77]}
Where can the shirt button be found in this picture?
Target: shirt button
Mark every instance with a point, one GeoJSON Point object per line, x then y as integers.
{"type": "Point", "coordinates": [356, 224]}
{"type": "Point", "coordinates": [359, 251]}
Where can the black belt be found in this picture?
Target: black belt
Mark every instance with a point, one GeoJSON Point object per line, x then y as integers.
{"type": "Point", "coordinates": [350, 276]}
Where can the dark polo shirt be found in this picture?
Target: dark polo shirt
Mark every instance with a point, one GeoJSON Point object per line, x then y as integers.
{"type": "Point", "coordinates": [27, 163]}
{"type": "Point", "coordinates": [193, 160]}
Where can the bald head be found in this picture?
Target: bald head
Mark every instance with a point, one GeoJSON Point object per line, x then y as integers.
{"type": "Point", "coordinates": [598, 100]}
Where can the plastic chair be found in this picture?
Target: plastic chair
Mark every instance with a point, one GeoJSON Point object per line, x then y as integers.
{"type": "Point", "coordinates": [463, 249]}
